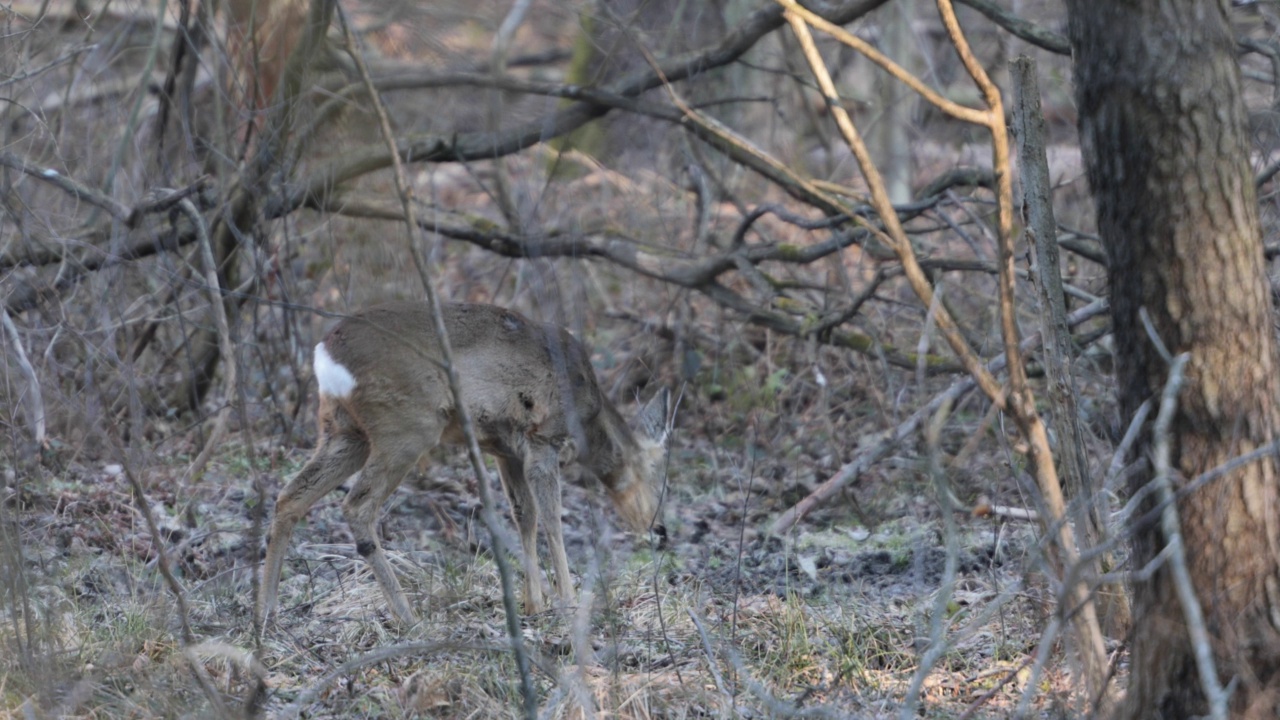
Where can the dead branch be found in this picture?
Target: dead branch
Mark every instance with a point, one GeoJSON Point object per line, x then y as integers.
{"type": "Point", "coordinates": [939, 618]}
{"type": "Point", "coordinates": [381, 655]}
{"type": "Point", "coordinates": [1048, 639]}
{"type": "Point", "coordinates": [1028, 123]}
{"type": "Point", "coordinates": [1055, 42]}
{"type": "Point", "coordinates": [92, 255]}
{"type": "Point", "coordinates": [697, 274]}
{"type": "Point", "coordinates": [893, 236]}
{"type": "Point", "coordinates": [882, 444]}
{"type": "Point", "coordinates": [591, 104]}
{"type": "Point", "coordinates": [1162, 460]}
{"type": "Point", "coordinates": [1041, 37]}
{"type": "Point", "coordinates": [28, 293]}
{"type": "Point", "coordinates": [214, 441]}
{"type": "Point", "coordinates": [68, 185]}
{"type": "Point", "coordinates": [498, 55]}
{"type": "Point", "coordinates": [143, 505]}
{"type": "Point", "coordinates": [34, 399]}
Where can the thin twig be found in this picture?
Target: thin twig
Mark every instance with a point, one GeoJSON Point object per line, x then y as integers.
{"type": "Point", "coordinates": [498, 67]}
{"type": "Point", "coordinates": [405, 192]}
{"type": "Point", "coordinates": [214, 440]}
{"type": "Point", "coordinates": [1022, 404]}
{"type": "Point", "coordinates": [34, 399]}
{"type": "Point", "coordinates": [68, 185]}
{"type": "Point", "coordinates": [1131, 434]}
{"type": "Point", "coordinates": [312, 693]}
{"type": "Point", "coordinates": [65, 57]}
{"type": "Point", "coordinates": [127, 138]}
{"type": "Point", "coordinates": [954, 109]}
{"type": "Point", "coordinates": [986, 696]}
{"type": "Point", "coordinates": [1043, 651]}
{"type": "Point", "coordinates": [881, 445]}
{"type": "Point", "coordinates": [1037, 35]}
{"type": "Point", "coordinates": [143, 505]}
{"type": "Point", "coordinates": [1163, 455]}
{"type": "Point", "coordinates": [712, 663]}
{"type": "Point", "coordinates": [894, 236]}
{"type": "Point", "coordinates": [938, 645]}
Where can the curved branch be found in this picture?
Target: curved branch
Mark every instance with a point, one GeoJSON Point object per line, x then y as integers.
{"type": "Point", "coordinates": [1037, 35]}
{"type": "Point", "coordinates": [1057, 43]}
{"type": "Point", "coordinates": [954, 109]}
{"type": "Point", "coordinates": [68, 185]}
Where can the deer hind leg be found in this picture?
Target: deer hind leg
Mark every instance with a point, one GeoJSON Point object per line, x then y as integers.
{"type": "Point", "coordinates": [391, 458]}
{"type": "Point", "coordinates": [542, 468]}
{"type": "Point", "coordinates": [524, 505]}
{"type": "Point", "coordinates": [337, 458]}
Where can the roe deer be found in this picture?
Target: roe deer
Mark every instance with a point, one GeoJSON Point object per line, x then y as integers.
{"type": "Point", "coordinates": [531, 392]}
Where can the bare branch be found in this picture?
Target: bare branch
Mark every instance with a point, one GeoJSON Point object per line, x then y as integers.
{"type": "Point", "coordinates": [894, 236]}
{"type": "Point", "coordinates": [956, 110]}
{"type": "Point", "coordinates": [696, 273]}
{"type": "Point", "coordinates": [879, 447]}
{"type": "Point", "coordinates": [1039, 36]}
{"type": "Point", "coordinates": [34, 399]}
{"type": "Point", "coordinates": [214, 441]}
{"type": "Point", "coordinates": [1200, 642]}
{"type": "Point", "coordinates": [592, 103]}
{"type": "Point", "coordinates": [312, 693]}
{"type": "Point", "coordinates": [68, 185]}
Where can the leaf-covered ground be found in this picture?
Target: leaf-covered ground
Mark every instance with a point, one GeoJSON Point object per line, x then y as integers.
{"type": "Point", "coordinates": [719, 620]}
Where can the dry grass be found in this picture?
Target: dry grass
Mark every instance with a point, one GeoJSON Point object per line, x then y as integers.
{"type": "Point", "coordinates": [831, 621]}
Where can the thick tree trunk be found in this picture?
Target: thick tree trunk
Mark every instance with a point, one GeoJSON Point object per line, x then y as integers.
{"type": "Point", "coordinates": [1162, 125]}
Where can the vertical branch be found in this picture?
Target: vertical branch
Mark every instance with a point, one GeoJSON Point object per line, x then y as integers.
{"type": "Point", "coordinates": [240, 212]}
{"type": "Point", "coordinates": [35, 401]}
{"type": "Point", "coordinates": [938, 645]}
{"type": "Point", "coordinates": [140, 94]}
{"type": "Point", "coordinates": [1028, 124]}
{"type": "Point", "coordinates": [405, 193]}
{"type": "Point", "coordinates": [1037, 203]}
{"type": "Point", "coordinates": [227, 352]}
{"type": "Point", "coordinates": [1088, 631]}
{"type": "Point", "coordinates": [140, 500]}
{"type": "Point", "coordinates": [498, 67]}
{"type": "Point", "coordinates": [994, 122]}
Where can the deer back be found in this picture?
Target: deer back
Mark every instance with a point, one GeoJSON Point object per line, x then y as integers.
{"type": "Point", "coordinates": [521, 379]}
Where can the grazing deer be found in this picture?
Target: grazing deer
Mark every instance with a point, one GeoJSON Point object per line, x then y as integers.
{"type": "Point", "coordinates": [531, 394]}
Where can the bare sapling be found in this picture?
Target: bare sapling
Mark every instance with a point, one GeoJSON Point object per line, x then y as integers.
{"type": "Point", "coordinates": [530, 389]}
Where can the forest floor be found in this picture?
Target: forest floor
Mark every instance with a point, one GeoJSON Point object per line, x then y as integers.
{"type": "Point", "coordinates": [720, 620]}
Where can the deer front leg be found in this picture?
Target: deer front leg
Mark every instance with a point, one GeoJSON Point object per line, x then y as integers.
{"type": "Point", "coordinates": [388, 464]}
{"type": "Point", "coordinates": [542, 467]}
{"type": "Point", "coordinates": [524, 506]}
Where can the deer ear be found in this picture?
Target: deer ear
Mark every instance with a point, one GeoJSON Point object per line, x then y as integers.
{"type": "Point", "coordinates": [651, 421]}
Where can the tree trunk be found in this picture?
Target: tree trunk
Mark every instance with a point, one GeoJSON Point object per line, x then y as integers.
{"type": "Point", "coordinates": [1162, 126]}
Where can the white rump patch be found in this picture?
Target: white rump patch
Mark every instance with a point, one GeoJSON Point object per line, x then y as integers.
{"type": "Point", "coordinates": [334, 380]}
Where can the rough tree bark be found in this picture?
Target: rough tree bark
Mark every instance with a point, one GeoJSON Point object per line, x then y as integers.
{"type": "Point", "coordinates": [1163, 130]}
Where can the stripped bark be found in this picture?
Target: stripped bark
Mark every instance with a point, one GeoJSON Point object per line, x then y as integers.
{"type": "Point", "coordinates": [1057, 351]}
